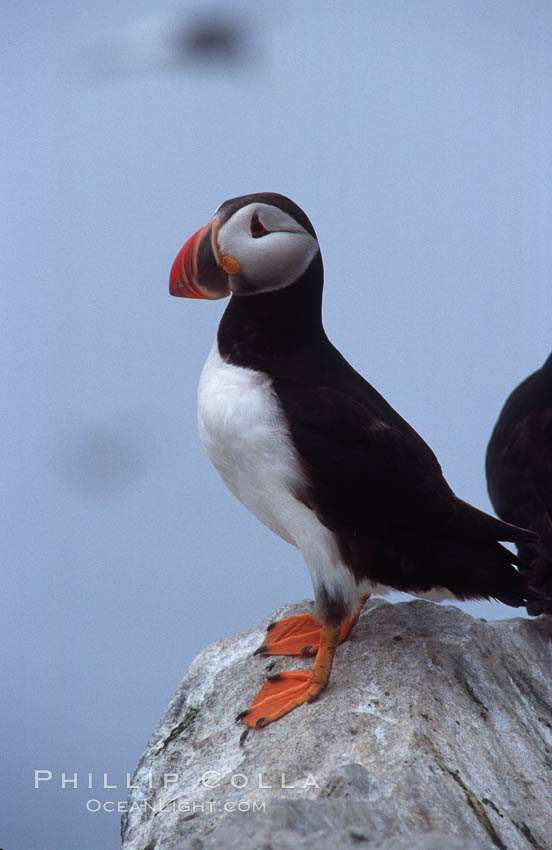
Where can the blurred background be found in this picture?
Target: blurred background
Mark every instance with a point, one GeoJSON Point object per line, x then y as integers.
{"type": "Point", "coordinates": [417, 136]}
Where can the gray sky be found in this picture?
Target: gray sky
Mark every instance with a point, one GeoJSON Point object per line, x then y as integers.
{"type": "Point", "coordinates": [417, 137]}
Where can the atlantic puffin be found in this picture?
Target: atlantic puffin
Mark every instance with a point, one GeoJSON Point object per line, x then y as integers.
{"type": "Point", "coordinates": [316, 453]}
{"type": "Point", "coordinates": [519, 473]}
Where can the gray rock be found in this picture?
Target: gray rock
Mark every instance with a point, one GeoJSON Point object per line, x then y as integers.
{"type": "Point", "coordinates": [435, 733]}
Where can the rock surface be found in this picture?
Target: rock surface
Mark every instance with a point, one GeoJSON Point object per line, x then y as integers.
{"type": "Point", "coordinates": [435, 733]}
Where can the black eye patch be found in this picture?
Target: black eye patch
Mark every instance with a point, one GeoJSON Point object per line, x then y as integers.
{"type": "Point", "coordinates": [256, 227]}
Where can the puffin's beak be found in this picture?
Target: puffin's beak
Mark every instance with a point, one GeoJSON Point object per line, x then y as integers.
{"type": "Point", "coordinates": [197, 271]}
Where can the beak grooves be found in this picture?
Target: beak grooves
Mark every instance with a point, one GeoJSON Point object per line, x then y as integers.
{"type": "Point", "coordinates": [197, 271]}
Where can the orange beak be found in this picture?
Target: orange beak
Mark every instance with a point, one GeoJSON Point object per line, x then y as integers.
{"type": "Point", "coordinates": [196, 271]}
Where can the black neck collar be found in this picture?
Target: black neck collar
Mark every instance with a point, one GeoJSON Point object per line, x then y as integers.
{"type": "Point", "coordinates": [260, 331]}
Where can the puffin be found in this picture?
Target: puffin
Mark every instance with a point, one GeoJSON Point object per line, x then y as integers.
{"type": "Point", "coordinates": [518, 465]}
{"type": "Point", "coordinates": [317, 454]}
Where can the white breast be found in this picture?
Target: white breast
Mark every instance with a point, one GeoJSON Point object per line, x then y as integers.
{"type": "Point", "coordinates": [244, 433]}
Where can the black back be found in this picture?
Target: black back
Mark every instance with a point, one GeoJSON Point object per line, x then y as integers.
{"type": "Point", "coordinates": [368, 475]}
{"type": "Point", "coordinates": [519, 467]}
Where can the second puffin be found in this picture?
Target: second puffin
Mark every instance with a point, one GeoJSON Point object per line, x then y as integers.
{"type": "Point", "coordinates": [316, 453]}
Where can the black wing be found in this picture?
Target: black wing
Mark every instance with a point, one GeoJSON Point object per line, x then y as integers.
{"type": "Point", "coordinates": [370, 472]}
{"type": "Point", "coordinates": [519, 455]}
{"type": "Point", "coordinates": [519, 474]}
{"type": "Point", "coordinates": [519, 470]}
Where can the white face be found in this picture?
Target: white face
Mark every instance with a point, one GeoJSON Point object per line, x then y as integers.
{"type": "Point", "coordinates": [272, 248]}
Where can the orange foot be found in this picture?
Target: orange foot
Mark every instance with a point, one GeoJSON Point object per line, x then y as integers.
{"type": "Point", "coordinates": [300, 634]}
{"type": "Point", "coordinates": [283, 692]}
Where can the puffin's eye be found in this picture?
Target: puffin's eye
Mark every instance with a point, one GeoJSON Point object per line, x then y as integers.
{"type": "Point", "coordinates": [256, 227]}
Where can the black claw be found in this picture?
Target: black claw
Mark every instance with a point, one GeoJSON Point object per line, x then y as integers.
{"type": "Point", "coordinates": [260, 722]}
{"type": "Point", "coordinates": [243, 736]}
{"type": "Point", "coordinates": [241, 715]}
{"type": "Point", "coordinates": [271, 625]}
{"type": "Point", "coordinates": [262, 650]}
{"type": "Point", "coordinates": [307, 649]}
{"type": "Point", "coordinates": [273, 677]}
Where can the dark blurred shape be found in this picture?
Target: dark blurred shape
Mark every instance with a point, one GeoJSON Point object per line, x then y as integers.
{"type": "Point", "coordinates": [162, 41]}
{"type": "Point", "coordinates": [214, 37]}
{"type": "Point", "coordinates": [104, 458]}
{"type": "Point", "coordinates": [519, 471]}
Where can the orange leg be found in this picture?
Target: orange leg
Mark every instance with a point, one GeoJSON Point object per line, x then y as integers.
{"type": "Point", "coordinates": [283, 692]}
{"type": "Point", "coordinates": [300, 634]}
